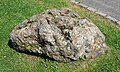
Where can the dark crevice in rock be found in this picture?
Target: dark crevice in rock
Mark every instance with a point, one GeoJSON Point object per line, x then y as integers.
{"type": "Point", "coordinates": [62, 27]}
{"type": "Point", "coordinates": [30, 21]}
{"type": "Point", "coordinates": [41, 41]}
{"type": "Point", "coordinates": [48, 21]}
{"type": "Point", "coordinates": [49, 12]}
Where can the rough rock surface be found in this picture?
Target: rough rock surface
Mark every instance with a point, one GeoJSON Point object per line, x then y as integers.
{"type": "Point", "coordinates": [59, 34]}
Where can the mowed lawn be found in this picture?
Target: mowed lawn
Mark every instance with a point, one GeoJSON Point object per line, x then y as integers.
{"type": "Point", "coordinates": [13, 12]}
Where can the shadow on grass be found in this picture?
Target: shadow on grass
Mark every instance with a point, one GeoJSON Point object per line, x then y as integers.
{"type": "Point", "coordinates": [15, 47]}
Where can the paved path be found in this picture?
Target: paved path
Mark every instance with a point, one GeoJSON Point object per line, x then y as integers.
{"type": "Point", "coordinates": [110, 7]}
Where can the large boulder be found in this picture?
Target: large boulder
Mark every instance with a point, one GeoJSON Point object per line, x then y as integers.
{"type": "Point", "coordinates": [59, 34]}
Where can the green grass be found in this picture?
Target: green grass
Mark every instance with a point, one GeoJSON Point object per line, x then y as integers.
{"type": "Point", "coordinates": [13, 12]}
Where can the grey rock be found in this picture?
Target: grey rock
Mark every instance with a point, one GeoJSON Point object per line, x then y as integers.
{"type": "Point", "coordinates": [118, 23]}
{"type": "Point", "coordinates": [111, 18]}
{"type": "Point", "coordinates": [101, 14]}
{"type": "Point", "coordinates": [83, 5]}
{"type": "Point", "coordinates": [59, 34]}
{"type": "Point", "coordinates": [91, 9]}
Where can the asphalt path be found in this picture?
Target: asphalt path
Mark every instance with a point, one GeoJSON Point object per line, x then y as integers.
{"type": "Point", "coordinates": [109, 7]}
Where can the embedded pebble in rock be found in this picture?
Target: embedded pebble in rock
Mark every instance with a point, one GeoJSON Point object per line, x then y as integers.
{"type": "Point", "coordinates": [59, 34]}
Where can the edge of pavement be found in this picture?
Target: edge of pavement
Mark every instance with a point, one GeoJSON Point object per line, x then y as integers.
{"type": "Point", "coordinates": [117, 22]}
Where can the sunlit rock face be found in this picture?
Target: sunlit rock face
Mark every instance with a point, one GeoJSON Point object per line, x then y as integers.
{"type": "Point", "coordinates": [59, 34]}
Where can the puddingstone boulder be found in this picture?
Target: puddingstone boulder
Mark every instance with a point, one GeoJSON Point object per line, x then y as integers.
{"type": "Point", "coordinates": [59, 34]}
